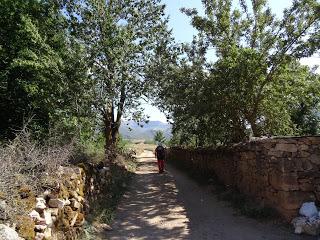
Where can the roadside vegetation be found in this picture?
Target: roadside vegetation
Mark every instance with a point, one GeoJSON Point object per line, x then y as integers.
{"type": "Point", "coordinates": [255, 87]}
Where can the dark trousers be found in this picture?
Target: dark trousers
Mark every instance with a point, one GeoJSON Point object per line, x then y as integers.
{"type": "Point", "coordinates": [161, 165]}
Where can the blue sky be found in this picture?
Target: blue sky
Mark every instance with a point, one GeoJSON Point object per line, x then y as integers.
{"type": "Point", "coordinates": [183, 32]}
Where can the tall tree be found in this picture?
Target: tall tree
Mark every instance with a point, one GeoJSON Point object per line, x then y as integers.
{"type": "Point", "coordinates": [120, 37]}
{"type": "Point", "coordinates": [253, 48]}
{"type": "Point", "coordinates": [256, 86]}
{"type": "Point", "coordinates": [40, 67]}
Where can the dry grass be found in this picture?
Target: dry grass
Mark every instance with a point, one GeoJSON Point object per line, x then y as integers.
{"type": "Point", "coordinates": [27, 168]}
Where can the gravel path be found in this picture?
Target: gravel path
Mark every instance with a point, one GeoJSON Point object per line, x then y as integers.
{"type": "Point", "coordinates": [172, 206]}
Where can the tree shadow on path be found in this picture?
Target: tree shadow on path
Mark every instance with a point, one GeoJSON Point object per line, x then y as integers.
{"type": "Point", "coordinates": [172, 206]}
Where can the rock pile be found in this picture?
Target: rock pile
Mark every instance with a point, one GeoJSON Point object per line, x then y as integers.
{"type": "Point", "coordinates": [309, 220]}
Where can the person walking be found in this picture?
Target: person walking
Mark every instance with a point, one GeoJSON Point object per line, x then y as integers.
{"type": "Point", "coordinates": [160, 154]}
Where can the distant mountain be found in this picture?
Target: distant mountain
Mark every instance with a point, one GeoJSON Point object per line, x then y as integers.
{"type": "Point", "coordinates": [131, 130]}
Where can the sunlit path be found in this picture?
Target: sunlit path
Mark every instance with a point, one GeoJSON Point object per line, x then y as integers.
{"type": "Point", "coordinates": [172, 206]}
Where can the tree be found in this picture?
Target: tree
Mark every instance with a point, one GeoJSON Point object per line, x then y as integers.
{"type": "Point", "coordinates": [256, 83]}
{"type": "Point", "coordinates": [120, 38]}
{"type": "Point", "coordinates": [258, 46]}
{"type": "Point", "coordinates": [42, 75]}
{"type": "Point", "coordinates": [159, 137]}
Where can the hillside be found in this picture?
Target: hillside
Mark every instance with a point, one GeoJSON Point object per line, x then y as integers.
{"type": "Point", "coordinates": [131, 130]}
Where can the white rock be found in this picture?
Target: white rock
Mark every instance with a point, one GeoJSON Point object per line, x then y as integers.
{"type": "Point", "coordinates": [40, 228]}
{"type": "Point", "coordinates": [48, 218]}
{"type": "Point", "coordinates": [34, 215]}
{"type": "Point", "coordinates": [73, 176]}
{"type": "Point", "coordinates": [80, 199]}
{"type": "Point", "coordinates": [56, 203]}
{"type": "Point", "coordinates": [41, 221]}
{"type": "Point", "coordinates": [306, 225]}
{"type": "Point", "coordinates": [3, 210]}
{"type": "Point", "coordinates": [54, 211]}
{"type": "Point", "coordinates": [74, 219]}
{"type": "Point", "coordinates": [67, 202]}
{"type": "Point", "coordinates": [298, 224]}
{"type": "Point", "coordinates": [39, 236]}
{"type": "Point", "coordinates": [48, 233]}
{"type": "Point", "coordinates": [308, 209]}
{"type": "Point", "coordinates": [7, 233]}
{"type": "Point", "coordinates": [40, 203]}
{"type": "Point", "coordinates": [75, 204]}
{"type": "Point", "coordinates": [47, 192]}
{"type": "Point", "coordinates": [298, 230]}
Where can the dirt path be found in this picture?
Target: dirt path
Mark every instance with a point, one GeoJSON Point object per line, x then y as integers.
{"type": "Point", "coordinates": [172, 206]}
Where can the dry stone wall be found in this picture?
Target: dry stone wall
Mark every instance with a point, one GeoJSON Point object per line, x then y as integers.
{"type": "Point", "coordinates": [278, 172]}
{"type": "Point", "coordinates": [59, 212]}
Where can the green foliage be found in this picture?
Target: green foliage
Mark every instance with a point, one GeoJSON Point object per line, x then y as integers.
{"type": "Point", "coordinates": [120, 38]}
{"type": "Point", "coordinates": [255, 87]}
{"type": "Point", "coordinates": [42, 74]}
{"type": "Point", "coordinates": [159, 137]}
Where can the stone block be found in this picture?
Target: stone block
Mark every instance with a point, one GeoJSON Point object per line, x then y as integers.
{"type": "Point", "coordinates": [48, 218]}
{"type": "Point", "coordinates": [286, 147]}
{"type": "Point", "coordinates": [315, 158]}
{"type": "Point", "coordinates": [247, 155]}
{"type": "Point", "coordinates": [40, 228]}
{"type": "Point", "coordinates": [303, 147]}
{"type": "Point", "coordinates": [285, 182]}
{"type": "Point", "coordinates": [53, 211]}
{"type": "Point", "coordinates": [275, 153]}
{"type": "Point", "coordinates": [75, 204]}
{"type": "Point", "coordinates": [40, 204]}
{"type": "Point", "coordinates": [39, 236]}
{"type": "Point", "coordinates": [304, 154]}
{"type": "Point", "coordinates": [56, 203]}
{"type": "Point", "coordinates": [34, 215]}
{"type": "Point", "coordinates": [48, 234]}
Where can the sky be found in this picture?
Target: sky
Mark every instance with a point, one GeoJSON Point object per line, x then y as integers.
{"type": "Point", "coordinates": [183, 32]}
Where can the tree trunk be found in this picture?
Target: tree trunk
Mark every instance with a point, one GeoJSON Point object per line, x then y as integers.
{"type": "Point", "coordinates": [108, 123]}
{"type": "Point", "coordinates": [254, 127]}
{"type": "Point", "coordinates": [117, 123]}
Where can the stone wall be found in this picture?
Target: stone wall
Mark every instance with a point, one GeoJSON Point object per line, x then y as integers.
{"type": "Point", "coordinates": [278, 172]}
{"type": "Point", "coordinates": [59, 213]}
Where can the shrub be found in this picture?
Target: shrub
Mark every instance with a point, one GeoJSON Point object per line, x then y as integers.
{"type": "Point", "coordinates": [27, 168]}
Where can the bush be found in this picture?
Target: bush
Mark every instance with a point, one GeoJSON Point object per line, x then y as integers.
{"type": "Point", "coordinates": [27, 168]}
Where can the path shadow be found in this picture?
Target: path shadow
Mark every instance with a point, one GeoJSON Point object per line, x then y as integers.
{"type": "Point", "coordinates": [173, 206]}
{"type": "Point", "coordinates": [150, 210]}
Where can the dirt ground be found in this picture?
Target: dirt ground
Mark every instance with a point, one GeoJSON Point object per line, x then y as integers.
{"type": "Point", "coordinates": [173, 206]}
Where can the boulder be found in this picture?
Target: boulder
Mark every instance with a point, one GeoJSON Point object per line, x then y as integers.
{"type": "Point", "coordinates": [7, 233]}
